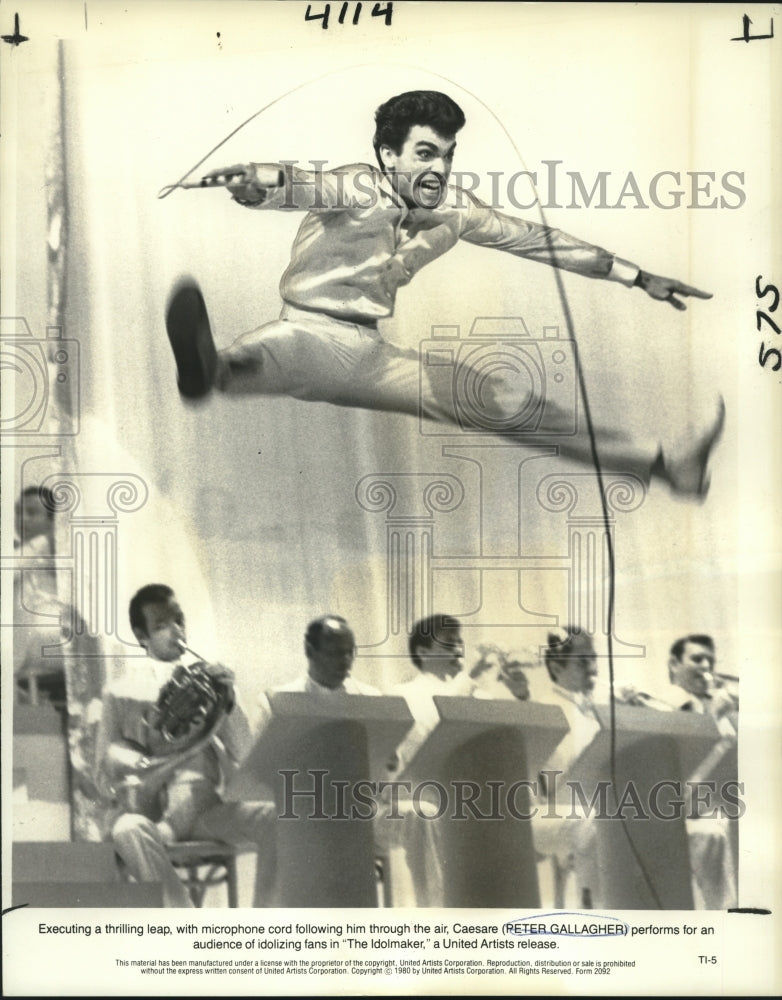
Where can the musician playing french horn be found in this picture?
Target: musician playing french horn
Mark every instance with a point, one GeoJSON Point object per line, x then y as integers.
{"type": "Point", "coordinates": [172, 732]}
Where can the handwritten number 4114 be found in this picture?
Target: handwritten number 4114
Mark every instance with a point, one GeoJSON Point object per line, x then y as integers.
{"type": "Point", "coordinates": [384, 10]}
{"type": "Point", "coordinates": [768, 353]}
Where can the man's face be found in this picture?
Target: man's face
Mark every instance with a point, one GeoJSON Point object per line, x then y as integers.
{"type": "Point", "coordinates": [693, 671]}
{"type": "Point", "coordinates": [577, 670]}
{"type": "Point", "coordinates": [420, 170]}
{"type": "Point", "coordinates": [165, 630]}
{"type": "Point", "coordinates": [331, 661]}
{"type": "Point", "coordinates": [445, 656]}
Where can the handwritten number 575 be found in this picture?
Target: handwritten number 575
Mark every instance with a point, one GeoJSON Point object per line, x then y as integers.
{"type": "Point", "coordinates": [766, 353]}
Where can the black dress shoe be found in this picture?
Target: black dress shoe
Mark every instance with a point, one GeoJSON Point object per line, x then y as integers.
{"type": "Point", "coordinates": [191, 340]}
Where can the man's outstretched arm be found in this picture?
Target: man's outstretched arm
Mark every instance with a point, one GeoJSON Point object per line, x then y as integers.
{"type": "Point", "coordinates": [486, 226]}
{"type": "Point", "coordinates": [286, 186]}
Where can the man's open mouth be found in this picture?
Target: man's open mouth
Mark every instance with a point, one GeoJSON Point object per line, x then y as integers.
{"type": "Point", "coordinates": [429, 188]}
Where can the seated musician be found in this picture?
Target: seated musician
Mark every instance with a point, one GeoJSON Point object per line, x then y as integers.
{"type": "Point", "coordinates": [566, 846]}
{"type": "Point", "coordinates": [572, 667]}
{"type": "Point", "coordinates": [693, 687]}
{"type": "Point", "coordinates": [40, 617]}
{"type": "Point", "coordinates": [167, 784]}
{"type": "Point", "coordinates": [330, 649]}
{"type": "Point", "coordinates": [437, 650]}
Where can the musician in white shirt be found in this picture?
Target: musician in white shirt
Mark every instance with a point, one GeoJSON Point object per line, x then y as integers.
{"type": "Point", "coordinates": [188, 804]}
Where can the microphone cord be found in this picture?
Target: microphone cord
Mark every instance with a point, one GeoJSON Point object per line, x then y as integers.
{"type": "Point", "coordinates": [611, 584]}
{"type": "Point", "coordinates": [570, 326]}
{"type": "Point", "coordinates": [165, 191]}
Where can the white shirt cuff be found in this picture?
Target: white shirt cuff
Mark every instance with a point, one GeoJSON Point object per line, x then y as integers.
{"type": "Point", "coordinates": [623, 271]}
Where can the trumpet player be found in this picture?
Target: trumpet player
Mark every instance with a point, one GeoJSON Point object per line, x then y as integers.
{"type": "Point", "coordinates": [691, 668]}
{"type": "Point", "coordinates": [693, 685]}
{"type": "Point", "coordinates": [166, 776]}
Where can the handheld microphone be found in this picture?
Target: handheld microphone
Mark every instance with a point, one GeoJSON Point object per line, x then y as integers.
{"type": "Point", "coordinates": [264, 175]}
{"type": "Point", "coordinates": [214, 180]}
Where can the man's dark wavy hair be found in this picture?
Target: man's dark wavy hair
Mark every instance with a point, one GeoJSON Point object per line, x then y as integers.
{"type": "Point", "coordinates": [677, 649]}
{"type": "Point", "coordinates": [395, 118]}
{"type": "Point", "coordinates": [424, 633]}
{"type": "Point", "coordinates": [152, 593]}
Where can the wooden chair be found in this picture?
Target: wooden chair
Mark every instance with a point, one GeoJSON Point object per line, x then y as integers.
{"type": "Point", "coordinates": [202, 864]}
{"type": "Point", "coordinates": [205, 863]}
